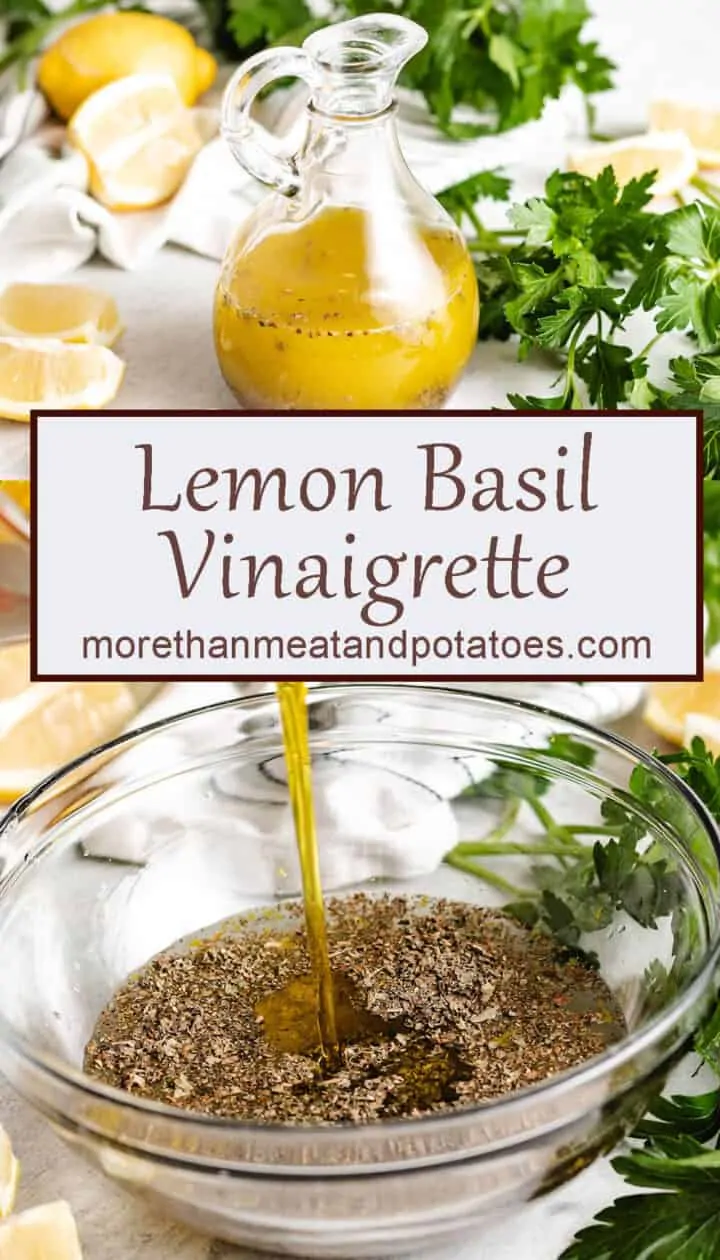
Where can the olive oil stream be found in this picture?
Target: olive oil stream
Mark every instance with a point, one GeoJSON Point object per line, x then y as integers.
{"type": "Point", "coordinates": [323, 1012]}
{"type": "Point", "coordinates": [320, 1012]}
{"type": "Point", "coordinates": [285, 1010]}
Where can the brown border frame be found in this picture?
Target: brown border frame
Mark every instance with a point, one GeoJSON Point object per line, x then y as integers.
{"type": "Point", "coordinates": [473, 413]}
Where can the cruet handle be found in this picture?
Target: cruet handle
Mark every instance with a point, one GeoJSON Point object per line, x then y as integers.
{"type": "Point", "coordinates": [251, 144]}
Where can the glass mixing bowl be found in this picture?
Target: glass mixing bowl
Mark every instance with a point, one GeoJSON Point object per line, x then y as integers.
{"type": "Point", "coordinates": [185, 823]}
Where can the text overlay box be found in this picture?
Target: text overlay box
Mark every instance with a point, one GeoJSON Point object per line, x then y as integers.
{"type": "Point", "coordinates": [450, 546]}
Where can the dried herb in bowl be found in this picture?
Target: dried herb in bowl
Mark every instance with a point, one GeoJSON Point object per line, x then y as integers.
{"type": "Point", "coordinates": [439, 1004]}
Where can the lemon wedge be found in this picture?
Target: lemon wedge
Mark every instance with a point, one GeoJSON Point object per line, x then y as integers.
{"type": "Point", "coordinates": [139, 140]}
{"type": "Point", "coordinates": [51, 723]}
{"type": "Point", "coordinates": [670, 153]}
{"type": "Point", "coordinates": [109, 46]}
{"type": "Point", "coordinates": [14, 511]}
{"type": "Point", "coordinates": [669, 705]}
{"type": "Point", "coordinates": [66, 312]}
{"type": "Point", "coordinates": [42, 1233]}
{"type": "Point", "coordinates": [700, 123]}
{"type": "Point", "coordinates": [38, 372]}
{"type": "Point", "coordinates": [43, 725]}
{"type": "Point", "coordinates": [19, 492]}
{"type": "Point", "coordinates": [9, 1175]}
{"type": "Point", "coordinates": [14, 670]}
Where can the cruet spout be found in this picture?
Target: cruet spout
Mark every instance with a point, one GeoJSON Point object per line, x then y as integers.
{"type": "Point", "coordinates": [356, 63]}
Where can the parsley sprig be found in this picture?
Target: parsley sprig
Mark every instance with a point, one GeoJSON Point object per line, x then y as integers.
{"type": "Point", "coordinates": [681, 1224]}
{"type": "Point", "coordinates": [567, 277]}
{"type": "Point", "coordinates": [503, 58]}
{"type": "Point", "coordinates": [578, 886]}
{"type": "Point", "coordinates": [577, 264]}
{"type": "Point", "coordinates": [680, 1136]}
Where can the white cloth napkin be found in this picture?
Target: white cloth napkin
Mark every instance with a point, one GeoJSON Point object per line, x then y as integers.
{"type": "Point", "coordinates": [50, 226]}
{"type": "Point", "coordinates": [379, 812]}
{"type": "Point", "coordinates": [217, 838]}
{"type": "Point", "coordinates": [383, 811]}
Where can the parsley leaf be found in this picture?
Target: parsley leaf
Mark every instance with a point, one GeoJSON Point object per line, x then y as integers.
{"type": "Point", "coordinates": [505, 58]}
{"type": "Point", "coordinates": [579, 889]}
{"type": "Point", "coordinates": [695, 386]}
{"type": "Point", "coordinates": [711, 445]}
{"type": "Point", "coordinates": [555, 288]}
{"type": "Point", "coordinates": [711, 506]}
{"type": "Point", "coordinates": [707, 1044]}
{"type": "Point", "coordinates": [590, 255]}
{"type": "Point", "coordinates": [700, 769]}
{"type": "Point", "coordinates": [693, 1115]}
{"type": "Point", "coordinates": [682, 1222]}
{"type": "Point", "coordinates": [607, 370]}
{"type": "Point", "coordinates": [255, 22]}
{"type": "Point", "coordinates": [680, 280]}
{"type": "Point", "coordinates": [682, 1226]}
{"type": "Point", "coordinates": [461, 199]}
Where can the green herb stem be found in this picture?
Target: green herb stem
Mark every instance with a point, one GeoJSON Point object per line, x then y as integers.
{"type": "Point", "coordinates": [496, 834]}
{"type": "Point", "coordinates": [553, 828]}
{"type": "Point", "coordinates": [584, 829]}
{"type": "Point", "coordinates": [706, 189]}
{"type": "Point", "coordinates": [650, 345]}
{"type": "Point", "coordinates": [506, 848]}
{"type": "Point", "coordinates": [492, 878]}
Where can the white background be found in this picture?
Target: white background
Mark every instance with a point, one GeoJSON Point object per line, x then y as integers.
{"type": "Point", "coordinates": [122, 580]}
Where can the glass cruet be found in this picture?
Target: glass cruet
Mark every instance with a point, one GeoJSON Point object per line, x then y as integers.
{"type": "Point", "coordinates": [348, 287]}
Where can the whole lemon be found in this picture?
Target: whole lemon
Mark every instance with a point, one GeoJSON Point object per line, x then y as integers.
{"type": "Point", "coordinates": [111, 45]}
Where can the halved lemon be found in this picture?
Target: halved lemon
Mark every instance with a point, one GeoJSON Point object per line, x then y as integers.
{"type": "Point", "coordinates": [700, 123]}
{"type": "Point", "coordinates": [670, 153]}
{"type": "Point", "coordinates": [9, 1175]}
{"type": "Point", "coordinates": [139, 140]}
{"type": "Point", "coordinates": [42, 1233]}
{"type": "Point", "coordinates": [37, 372]}
{"type": "Point", "coordinates": [669, 705]}
{"type": "Point", "coordinates": [67, 312]}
